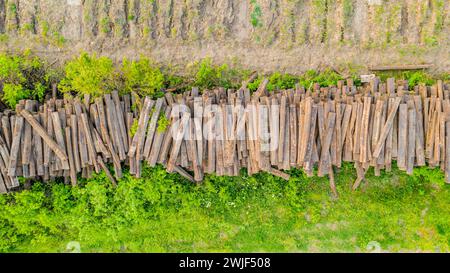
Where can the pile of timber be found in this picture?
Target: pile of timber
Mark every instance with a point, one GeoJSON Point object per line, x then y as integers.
{"type": "Point", "coordinates": [221, 131]}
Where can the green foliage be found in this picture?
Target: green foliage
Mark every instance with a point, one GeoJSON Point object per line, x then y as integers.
{"type": "Point", "coordinates": [208, 75]}
{"type": "Point", "coordinates": [13, 9]}
{"type": "Point", "coordinates": [281, 81]}
{"type": "Point", "coordinates": [13, 93]}
{"type": "Point", "coordinates": [348, 11]}
{"type": "Point", "coordinates": [162, 212]}
{"type": "Point", "coordinates": [142, 76]}
{"type": "Point", "coordinates": [256, 14]}
{"type": "Point", "coordinates": [88, 75]}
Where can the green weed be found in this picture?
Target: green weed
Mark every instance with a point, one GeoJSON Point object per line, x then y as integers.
{"type": "Point", "coordinates": [142, 76]}
{"type": "Point", "coordinates": [256, 14]}
{"type": "Point", "coordinates": [162, 212]}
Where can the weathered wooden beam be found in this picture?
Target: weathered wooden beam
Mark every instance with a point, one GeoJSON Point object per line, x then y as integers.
{"type": "Point", "coordinates": [60, 153]}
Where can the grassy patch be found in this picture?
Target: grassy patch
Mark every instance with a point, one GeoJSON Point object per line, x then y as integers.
{"type": "Point", "coordinates": [414, 77]}
{"type": "Point", "coordinates": [162, 212]}
{"type": "Point", "coordinates": [23, 77]}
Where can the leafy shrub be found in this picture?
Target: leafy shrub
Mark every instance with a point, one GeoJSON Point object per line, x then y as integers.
{"type": "Point", "coordinates": [281, 81]}
{"type": "Point", "coordinates": [163, 123]}
{"type": "Point", "coordinates": [142, 76]}
{"type": "Point", "coordinates": [255, 16]}
{"type": "Point", "coordinates": [278, 81]}
{"type": "Point", "coordinates": [88, 75]}
{"type": "Point", "coordinates": [413, 77]}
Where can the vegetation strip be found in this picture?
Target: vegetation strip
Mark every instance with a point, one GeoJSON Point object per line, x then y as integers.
{"type": "Point", "coordinates": [313, 132]}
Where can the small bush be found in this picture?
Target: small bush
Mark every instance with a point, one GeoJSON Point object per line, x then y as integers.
{"type": "Point", "coordinates": [142, 76]}
{"type": "Point", "coordinates": [208, 75]}
{"type": "Point", "coordinates": [13, 93]}
{"type": "Point", "coordinates": [134, 127]}
{"type": "Point", "coordinates": [88, 75]}
{"type": "Point", "coordinates": [325, 78]}
{"type": "Point", "coordinates": [281, 81]}
{"type": "Point", "coordinates": [413, 77]}
{"type": "Point", "coordinates": [278, 81]}
{"type": "Point", "coordinates": [22, 77]}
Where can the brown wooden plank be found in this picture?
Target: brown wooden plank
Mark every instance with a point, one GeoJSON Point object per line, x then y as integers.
{"type": "Point", "coordinates": [305, 131]}
{"type": "Point", "coordinates": [411, 140]}
{"type": "Point", "coordinates": [308, 165]}
{"type": "Point", "coordinates": [75, 143]}
{"type": "Point", "coordinates": [274, 123]}
{"type": "Point", "coordinates": [198, 127]}
{"type": "Point", "coordinates": [192, 143]}
{"type": "Point", "coordinates": [279, 173]}
{"type": "Point", "coordinates": [348, 146]}
{"type": "Point", "coordinates": [211, 139]}
{"type": "Point", "coordinates": [388, 143]}
{"type": "Point", "coordinates": [14, 152]}
{"type": "Point", "coordinates": [58, 132]}
{"type": "Point", "coordinates": [287, 139]}
{"type": "Point", "coordinates": [183, 173]}
{"type": "Point", "coordinates": [364, 130]}
{"type": "Point", "coordinates": [356, 135]}
{"type": "Point", "coordinates": [345, 126]}
{"type": "Point", "coordinates": [167, 142]}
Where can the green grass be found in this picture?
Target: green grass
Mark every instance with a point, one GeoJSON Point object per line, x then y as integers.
{"type": "Point", "coordinates": [162, 212]}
